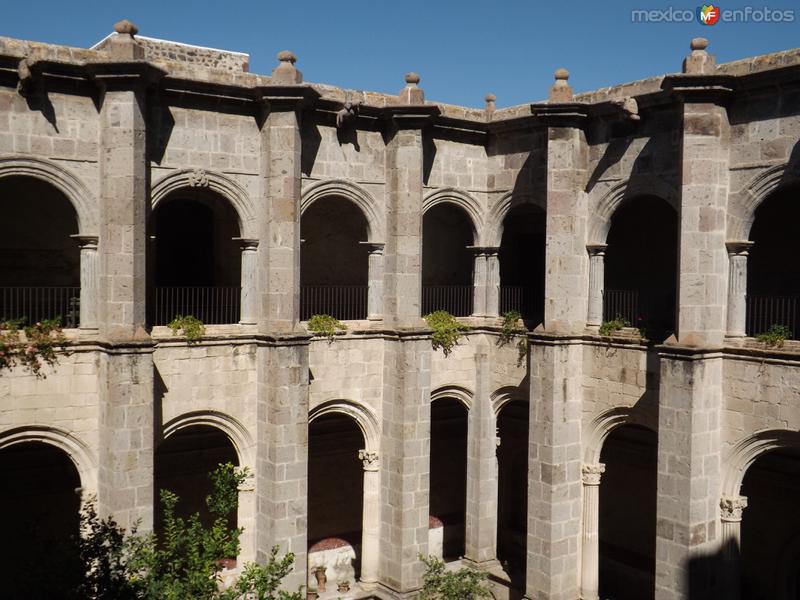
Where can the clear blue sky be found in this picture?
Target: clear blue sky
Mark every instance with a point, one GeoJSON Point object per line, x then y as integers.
{"type": "Point", "coordinates": [462, 49]}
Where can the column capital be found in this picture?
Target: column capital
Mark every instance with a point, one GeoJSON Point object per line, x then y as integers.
{"type": "Point", "coordinates": [370, 459]}
{"type": "Point", "coordinates": [374, 247]}
{"type": "Point", "coordinates": [731, 508]}
{"type": "Point", "coordinates": [738, 247]}
{"type": "Point", "coordinates": [87, 242]}
{"type": "Point", "coordinates": [486, 250]}
{"type": "Point", "coordinates": [249, 482]}
{"type": "Point", "coordinates": [596, 249]}
{"type": "Point", "coordinates": [250, 244]}
{"type": "Point", "coordinates": [592, 473]}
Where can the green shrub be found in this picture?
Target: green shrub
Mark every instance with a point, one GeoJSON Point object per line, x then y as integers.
{"type": "Point", "coordinates": [325, 326]}
{"type": "Point", "coordinates": [30, 346]}
{"type": "Point", "coordinates": [775, 335]}
{"type": "Point", "coordinates": [511, 330]}
{"type": "Point", "coordinates": [616, 324]}
{"type": "Point", "coordinates": [192, 327]}
{"type": "Point", "coordinates": [441, 584]}
{"type": "Point", "coordinates": [445, 330]}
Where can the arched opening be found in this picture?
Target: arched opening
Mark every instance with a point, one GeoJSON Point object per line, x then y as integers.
{"type": "Point", "coordinates": [770, 531]}
{"type": "Point", "coordinates": [334, 267]}
{"type": "Point", "coordinates": [183, 462]}
{"type": "Point", "coordinates": [446, 260]}
{"type": "Point", "coordinates": [193, 259]}
{"type": "Point", "coordinates": [627, 513]}
{"type": "Point", "coordinates": [522, 262]}
{"type": "Point", "coordinates": [512, 496]}
{"type": "Point", "coordinates": [641, 266]}
{"type": "Point", "coordinates": [773, 278]}
{"type": "Point", "coordinates": [39, 263]}
{"type": "Point", "coordinates": [448, 478]}
{"type": "Point", "coordinates": [41, 522]}
{"type": "Point", "coordinates": [335, 497]}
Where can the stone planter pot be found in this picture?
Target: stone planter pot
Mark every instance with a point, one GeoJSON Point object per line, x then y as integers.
{"type": "Point", "coordinates": [322, 579]}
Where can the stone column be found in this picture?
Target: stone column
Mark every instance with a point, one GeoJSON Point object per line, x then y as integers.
{"type": "Point", "coordinates": [246, 517]}
{"type": "Point", "coordinates": [479, 281]}
{"type": "Point", "coordinates": [375, 278]}
{"type": "Point", "coordinates": [737, 287]}
{"type": "Point", "coordinates": [492, 282]}
{"type": "Point", "coordinates": [89, 276]}
{"type": "Point", "coordinates": [731, 517]}
{"type": "Point", "coordinates": [249, 302]}
{"type": "Point", "coordinates": [597, 253]}
{"type": "Point", "coordinates": [371, 519]}
{"type": "Point", "coordinates": [590, 540]}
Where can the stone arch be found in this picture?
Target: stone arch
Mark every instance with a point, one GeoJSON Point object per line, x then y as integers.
{"type": "Point", "coordinates": [237, 433]}
{"type": "Point", "coordinates": [216, 182]}
{"type": "Point", "coordinates": [606, 422]}
{"type": "Point", "coordinates": [746, 451]}
{"type": "Point", "coordinates": [505, 395]}
{"type": "Point", "coordinates": [460, 393]}
{"type": "Point", "coordinates": [76, 449]}
{"type": "Point", "coordinates": [363, 416]}
{"type": "Point", "coordinates": [758, 189]}
{"type": "Point", "coordinates": [463, 200]}
{"type": "Point", "coordinates": [82, 200]}
{"type": "Point", "coordinates": [352, 192]}
{"type": "Point", "coordinates": [600, 220]}
{"type": "Point", "coordinates": [493, 230]}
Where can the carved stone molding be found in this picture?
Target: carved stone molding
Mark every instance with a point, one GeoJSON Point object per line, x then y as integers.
{"type": "Point", "coordinates": [198, 178]}
{"type": "Point", "coordinates": [592, 473]}
{"type": "Point", "coordinates": [731, 507]}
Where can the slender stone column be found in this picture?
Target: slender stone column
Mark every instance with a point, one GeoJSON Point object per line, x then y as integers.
{"type": "Point", "coordinates": [492, 282]}
{"type": "Point", "coordinates": [375, 278]}
{"type": "Point", "coordinates": [479, 282]}
{"type": "Point", "coordinates": [590, 542]}
{"type": "Point", "coordinates": [371, 519]}
{"type": "Point", "coordinates": [249, 302]}
{"type": "Point", "coordinates": [89, 274]}
{"type": "Point", "coordinates": [737, 287]}
{"type": "Point", "coordinates": [597, 253]}
{"type": "Point", "coordinates": [731, 516]}
{"type": "Point", "coordinates": [246, 517]}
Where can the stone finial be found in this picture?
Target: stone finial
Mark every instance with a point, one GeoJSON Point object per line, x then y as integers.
{"type": "Point", "coordinates": [561, 90]}
{"type": "Point", "coordinates": [412, 93]}
{"type": "Point", "coordinates": [699, 62]}
{"type": "Point", "coordinates": [124, 27]}
{"type": "Point", "coordinates": [286, 73]}
{"type": "Point", "coordinates": [124, 45]}
{"type": "Point", "coordinates": [490, 105]}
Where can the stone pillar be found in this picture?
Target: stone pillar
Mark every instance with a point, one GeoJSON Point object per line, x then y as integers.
{"type": "Point", "coordinates": [597, 253]}
{"type": "Point", "coordinates": [246, 518]}
{"type": "Point", "coordinates": [375, 278]}
{"type": "Point", "coordinates": [89, 276]}
{"type": "Point", "coordinates": [492, 282]}
{"type": "Point", "coordinates": [481, 509]}
{"type": "Point", "coordinates": [371, 519]}
{"type": "Point", "coordinates": [737, 288]}
{"type": "Point", "coordinates": [590, 541]}
{"type": "Point", "coordinates": [249, 301]}
{"type": "Point", "coordinates": [731, 517]}
{"type": "Point", "coordinates": [479, 282]}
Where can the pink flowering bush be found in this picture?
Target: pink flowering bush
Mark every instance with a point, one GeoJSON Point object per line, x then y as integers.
{"type": "Point", "coordinates": [30, 346]}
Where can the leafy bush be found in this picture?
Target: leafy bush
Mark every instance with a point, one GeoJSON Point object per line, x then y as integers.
{"type": "Point", "coordinates": [616, 324]}
{"type": "Point", "coordinates": [30, 346]}
{"type": "Point", "coordinates": [511, 330]}
{"type": "Point", "coordinates": [446, 330]}
{"type": "Point", "coordinates": [325, 325]}
{"type": "Point", "coordinates": [192, 327]}
{"type": "Point", "coordinates": [441, 584]}
{"type": "Point", "coordinates": [775, 335]}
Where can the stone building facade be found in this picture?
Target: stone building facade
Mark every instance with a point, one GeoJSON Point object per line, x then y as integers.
{"type": "Point", "coordinates": [615, 466]}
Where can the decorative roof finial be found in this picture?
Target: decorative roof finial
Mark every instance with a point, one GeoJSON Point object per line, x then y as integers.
{"type": "Point", "coordinates": [561, 90]}
{"type": "Point", "coordinates": [286, 73]}
{"type": "Point", "coordinates": [126, 27]}
{"type": "Point", "coordinates": [699, 62]}
{"type": "Point", "coordinates": [412, 93]}
{"type": "Point", "coordinates": [490, 105]}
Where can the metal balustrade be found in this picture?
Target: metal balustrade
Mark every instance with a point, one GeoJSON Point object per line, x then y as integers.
{"type": "Point", "coordinates": [653, 312]}
{"type": "Point", "coordinates": [212, 305]}
{"type": "Point", "coordinates": [527, 300]}
{"type": "Point", "coordinates": [344, 302]}
{"type": "Point", "coordinates": [764, 311]}
{"type": "Point", "coordinates": [455, 299]}
{"type": "Point", "coordinates": [37, 303]}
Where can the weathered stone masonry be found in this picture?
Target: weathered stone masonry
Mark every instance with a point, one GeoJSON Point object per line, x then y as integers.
{"type": "Point", "coordinates": [122, 127]}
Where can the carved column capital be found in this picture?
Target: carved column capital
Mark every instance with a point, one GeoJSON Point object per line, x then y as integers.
{"type": "Point", "coordinates": [87, 242]}
{"type": "Point", "coordinates": [592, 473]}
{"type": "Point", "coordinates": [374, 247]}
{"type": "Point", "coordinates": [596, 249]}
{"type": "Point", "coordinates": [731, 507]}
{"type": "Point", "coordinates": [370, 459]}
{"type": "Point", "coordinates": [738, 247]}
{"type": "Point", "coordinates": [247, 244]}
{"type": "Point", "coordinates": [249, 483]}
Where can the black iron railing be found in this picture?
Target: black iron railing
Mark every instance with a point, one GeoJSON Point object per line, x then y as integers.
{"type": "Point", "coordinates": [455, 299]}
{"type": "Point", "coordinates": [40, 303]}
{"type": "Point", "coordinates": [653, 312]}
{"type": "Point", "coordinates": [764, 311]}
{"type": "Point", "coordinates": [345, 302]}
{"type": "Point", "coordinates": [527, 300]}
{"type": "Point", "coordinates": [212, 305]}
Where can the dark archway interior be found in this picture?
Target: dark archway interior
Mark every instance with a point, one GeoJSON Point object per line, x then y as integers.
{"type": "Point", "coordinates": [448, 479]}
{"type": "Point", "coordinates": [771, 527]}
{"type": "Point", "coordinates": [334, 265]}
{"type": "Point", "coordinates": [183, 463]}
{"type": "Point", "coordinates": [628, 514]}
{"type": "Point", "coordinates": [40, 510]}
{"type": "Point", "coordinates": [641, 265]}
{"type": "Point", "coordinates": [773, 276]}
{"type": "Point", "coordinates": [446, 260]}
{"type": "Point", "coordinates": [335, 481]}
{"type": "Point", "coordinates": [522, 262]}
{"type": "Point", "coordinates": [512, 497]}
{"type": "Point", "coordinates": [36, 251]}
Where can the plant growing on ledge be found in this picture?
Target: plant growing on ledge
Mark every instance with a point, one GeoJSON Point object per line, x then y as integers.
{"type": "Point", "coordinates": [511, 329]}
{"type": "Point", "coordinates": [618, 323]}
{"type": "Point", "coordinates": [30, 346]}
{"type": "Point", "coordinates": [192, 327]}
{"type": "Point", "coordinates": [446, 330]}
{"type": "Point", "coordinates": [325, 326]}
{"type": "Point", "coordinates": [775, 336]}
{"type": "Point", "coordinates": [442, 584]}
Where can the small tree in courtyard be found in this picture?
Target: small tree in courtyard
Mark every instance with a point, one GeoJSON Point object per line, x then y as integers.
{"type": "Point", "coordinates": [441, 584]}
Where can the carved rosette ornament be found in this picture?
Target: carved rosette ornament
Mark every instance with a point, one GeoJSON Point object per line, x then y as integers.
{"type": "Point", "coordinates": [370, 460]}
{"type": "Point", "coordinates": [198, 178]}
{"type": "Point", "coordinates": [592, 473]}
{"type": "Point", "coordinates": [731, 508]}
